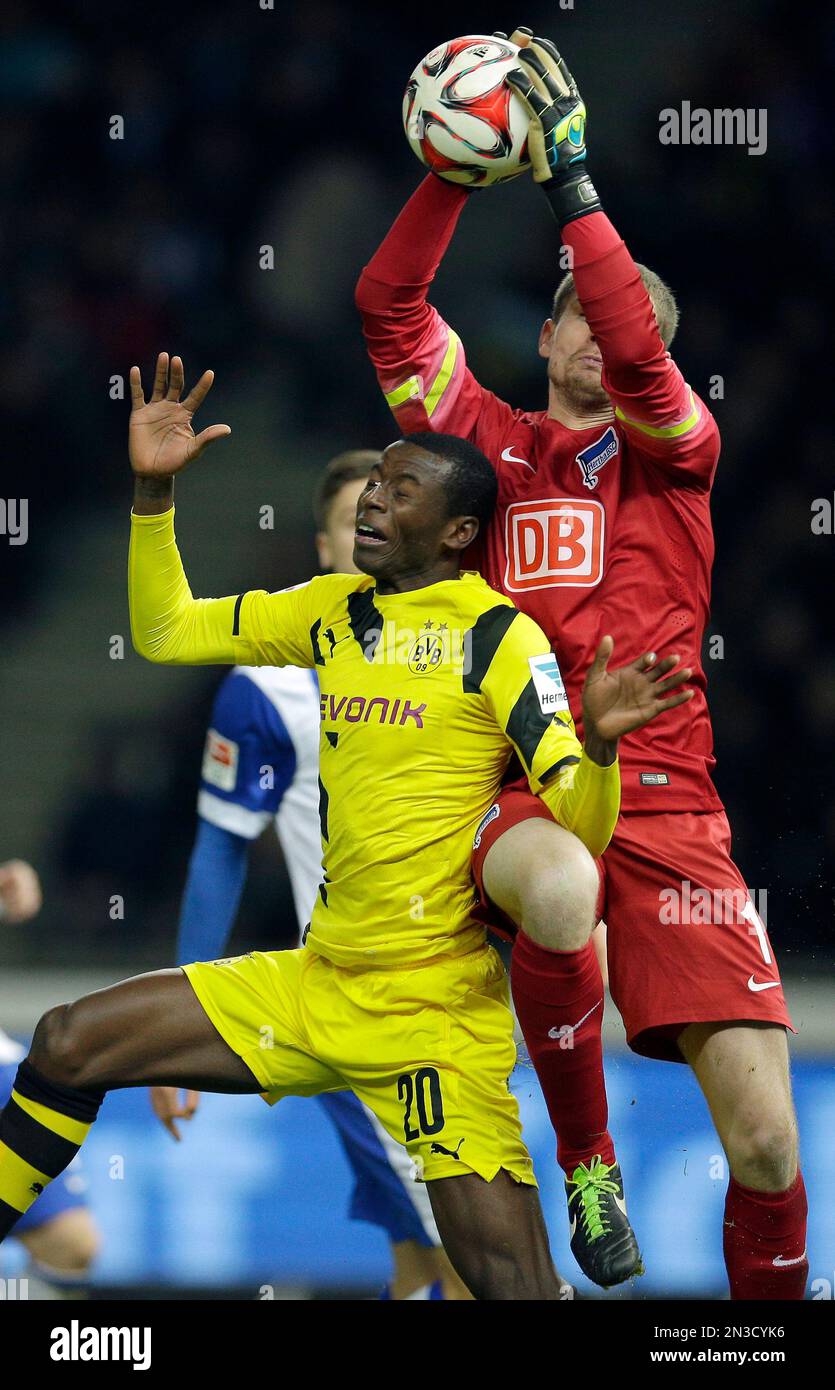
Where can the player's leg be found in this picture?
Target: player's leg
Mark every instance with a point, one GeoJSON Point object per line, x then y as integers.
{"type": "Point", "coordinates": [61, 1250]}
{"type": "Point", "coordinates": [598, 941]}
{"type": "Point", "coordinates": [433, 1050]}
{"type": "Point", "coordinates": [453, 1288]}
{"type": "Point", "coordinates": [423, 1273]}
{"type": "Point", "coordinates": [743, 1070]}
{"type": "Point", "coordinates": [147, 1030]}
{"type": "Point", "coordinates": [494, 1233]}
{"type": "Point", "coordinates": [386, 1195]}
{"type": "Point", "coordinates": [59, 1233]}
{"type": "Point", "coordinates": [543, 879]}
{"type": "Point", "coordinates": [693, 974]}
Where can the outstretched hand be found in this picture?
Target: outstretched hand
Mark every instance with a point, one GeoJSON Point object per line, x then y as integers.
{"type": "Point", "coordinates": [161, 439]}
{"type": "Point", "coordinates": [618, 702]}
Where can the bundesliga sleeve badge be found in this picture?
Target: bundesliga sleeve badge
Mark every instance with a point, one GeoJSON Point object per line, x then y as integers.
{"type": "Point", "coordinates": [220, 761]}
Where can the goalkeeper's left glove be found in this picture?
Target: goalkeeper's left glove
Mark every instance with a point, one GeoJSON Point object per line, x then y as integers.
{"type": "Point", "coordinates": [557, 132]}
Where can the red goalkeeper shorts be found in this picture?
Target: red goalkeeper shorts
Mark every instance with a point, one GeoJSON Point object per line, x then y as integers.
{"type": "Point", "coordinates": [685, 941]}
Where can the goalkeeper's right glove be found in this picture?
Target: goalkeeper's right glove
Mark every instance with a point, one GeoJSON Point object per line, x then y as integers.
{"type": "Point", "coordinates": [557, 131]}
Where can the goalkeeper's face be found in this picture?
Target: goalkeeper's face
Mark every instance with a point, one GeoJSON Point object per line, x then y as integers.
{"type": "Point", "coordinates": [574, 361]}
{"type": "Point", "coordinates": [404, 532]}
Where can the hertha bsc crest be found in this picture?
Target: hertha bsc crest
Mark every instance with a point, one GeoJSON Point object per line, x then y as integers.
{"type": "Point", "coordinates": [592, 459]}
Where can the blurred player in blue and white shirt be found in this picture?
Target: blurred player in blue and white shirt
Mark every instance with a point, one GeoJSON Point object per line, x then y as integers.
{"type": "Point", "coordinates": [261, 764]}
{"type": "Point", "coordinates": [59, 1234]}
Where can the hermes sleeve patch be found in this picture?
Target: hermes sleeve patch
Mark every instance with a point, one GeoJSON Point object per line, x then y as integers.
{"type": "Point", "coordinates": [549, 683]}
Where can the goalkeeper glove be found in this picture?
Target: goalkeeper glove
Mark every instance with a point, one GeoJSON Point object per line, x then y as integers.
{"type": "Point", "coordinates": [557, 131]}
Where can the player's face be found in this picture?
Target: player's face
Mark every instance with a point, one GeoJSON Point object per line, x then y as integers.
{"type": "Point", "coordinates": [574, 360]}
{"type": "Point", "coordinates": [403, 529]}
{"type": "Point", "coordinates": [335, 544]}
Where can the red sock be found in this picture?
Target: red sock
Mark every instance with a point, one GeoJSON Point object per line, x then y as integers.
{"type": "Point", "coordinates": [765, 1241]}
{"type": "Point", "coordinates": [559, 1004]}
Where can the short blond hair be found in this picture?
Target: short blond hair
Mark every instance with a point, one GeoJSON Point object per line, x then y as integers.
{"type": "Point", "coordinates": [661, 296]}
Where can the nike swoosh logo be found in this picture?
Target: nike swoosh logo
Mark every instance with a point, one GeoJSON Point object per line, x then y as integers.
{"type": "Point", "coordinates": [566, 1028]}
{"type": "Point", "coordinates": [755, 988]}
{"type": "Point", "coordinates": [509, 457]}
{"type": "Point", "coordinates": [783, 1264]}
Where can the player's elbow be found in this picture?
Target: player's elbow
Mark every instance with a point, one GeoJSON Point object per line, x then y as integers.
{"type": "Point", "coordinates": [361, 291]}
{"type": "Point", "coordinates": [154, 646]}
{"type": "Point", "coordinates": [372, 297]}
{"type": "Point", "coordinates": [144, 646]}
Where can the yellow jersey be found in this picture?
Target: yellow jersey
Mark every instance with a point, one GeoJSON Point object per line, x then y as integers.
{"type": "Point", "coordinates": [424, 696]}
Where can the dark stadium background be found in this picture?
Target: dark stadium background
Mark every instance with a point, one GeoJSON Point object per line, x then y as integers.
{"type": "Point", "coordinates": [246, 127]}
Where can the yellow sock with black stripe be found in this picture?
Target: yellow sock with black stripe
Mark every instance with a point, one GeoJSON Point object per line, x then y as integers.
{"type": "Point", "coordinates": [42, 1128]}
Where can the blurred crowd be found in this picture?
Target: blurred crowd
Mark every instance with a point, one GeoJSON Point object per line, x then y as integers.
{"type": "Point", "coordinates": [247, 126]}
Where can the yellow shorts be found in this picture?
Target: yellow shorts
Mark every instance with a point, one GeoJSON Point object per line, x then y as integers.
{"type": "Point", "coordinates": [428, 1048]}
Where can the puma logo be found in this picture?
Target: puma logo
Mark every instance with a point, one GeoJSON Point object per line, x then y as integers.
{"type": "Point", "coordinates": [450, 1153]}
{"type": "Point", "coordinates": [333, 639]}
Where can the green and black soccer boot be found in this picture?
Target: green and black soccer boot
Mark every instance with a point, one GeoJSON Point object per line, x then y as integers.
{"type": "Point", "coordinates": [602, 1241]}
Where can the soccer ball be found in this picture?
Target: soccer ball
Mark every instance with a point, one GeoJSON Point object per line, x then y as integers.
{"type": "Point", "coordinates": [461, 118]}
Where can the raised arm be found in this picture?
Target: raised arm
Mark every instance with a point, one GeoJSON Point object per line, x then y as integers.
{"type": "Point", "coordinates": [168, 624]}
{"type": "Point", "coordinates": [418, 358]}
{"type": "Point", "coordinates": [161, 441]}
{"type": "Point", "coordinates": [654, 404]}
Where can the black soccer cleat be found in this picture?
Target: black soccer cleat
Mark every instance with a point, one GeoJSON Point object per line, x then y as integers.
{"type": "Point", "coordinates": [602, 1241]}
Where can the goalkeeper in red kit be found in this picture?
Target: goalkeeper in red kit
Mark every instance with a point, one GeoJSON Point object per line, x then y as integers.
{"type": "Point", "coordinates": [603, 525]}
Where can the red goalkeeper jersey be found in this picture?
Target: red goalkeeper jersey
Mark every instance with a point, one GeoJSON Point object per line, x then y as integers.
{"type": "Point", "coordinates": [600, 529]}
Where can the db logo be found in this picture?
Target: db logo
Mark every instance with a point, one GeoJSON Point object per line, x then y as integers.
{"type": "Point", "coordinates": [555, 541]}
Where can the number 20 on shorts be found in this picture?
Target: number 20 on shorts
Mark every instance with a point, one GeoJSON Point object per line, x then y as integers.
{"type": "Point", "coordinates": [423, 1103]}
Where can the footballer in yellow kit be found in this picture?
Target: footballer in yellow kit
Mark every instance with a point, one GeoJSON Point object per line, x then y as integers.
{"type": "Point", "coordinates": [426, 690]}
{"type": "Point", "coordinates": [428, 681]}
{"type": "Point", "coordinates": [424, 695]}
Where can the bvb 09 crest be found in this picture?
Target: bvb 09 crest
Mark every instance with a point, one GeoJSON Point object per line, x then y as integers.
{"type": "Point", "coordinates": [428, 653]}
